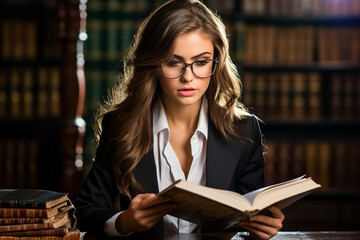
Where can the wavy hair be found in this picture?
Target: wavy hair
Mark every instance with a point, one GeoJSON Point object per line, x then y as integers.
{"type": "Point", "coordinates": [130, 105]}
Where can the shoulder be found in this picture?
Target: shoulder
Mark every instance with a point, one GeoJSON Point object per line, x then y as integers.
{"type": "Point", "coordinates": [248, 126]}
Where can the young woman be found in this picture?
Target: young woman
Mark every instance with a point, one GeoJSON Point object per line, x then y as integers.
{"type": "Point", "coordinates": [174, 115]}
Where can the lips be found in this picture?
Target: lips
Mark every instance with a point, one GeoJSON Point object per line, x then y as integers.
{"type": "Point", "coordinates": [187, 91]}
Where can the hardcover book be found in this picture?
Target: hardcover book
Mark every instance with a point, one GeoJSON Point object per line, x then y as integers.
{"type": "Point", "coordinates": [220, 209]}
{"type": "Point", "coordinates": [33, 212]}
{"type": "Point", "coordinates": [73, 234]}
{"type": "Point", "coordinates": [30, 198]}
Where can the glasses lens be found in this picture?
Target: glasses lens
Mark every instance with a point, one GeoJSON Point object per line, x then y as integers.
{"type": "Point", "coordinates": [203, 68]}
{"type": "Point", "coordinates": [176, 68]}
{"type": "Point", "coordinates": [173, 69]}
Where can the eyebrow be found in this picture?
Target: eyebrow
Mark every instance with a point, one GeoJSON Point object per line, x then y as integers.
{"type": "Point", "coordinates": [197, 56]}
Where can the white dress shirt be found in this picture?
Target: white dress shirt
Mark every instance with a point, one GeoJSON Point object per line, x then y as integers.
{"type": "Point", "coordinates": [168, 168]}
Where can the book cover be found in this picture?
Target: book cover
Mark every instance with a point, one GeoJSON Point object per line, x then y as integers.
{"type": "Point", "coordinates": [30, 198]}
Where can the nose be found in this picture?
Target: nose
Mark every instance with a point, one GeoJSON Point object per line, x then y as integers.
{"type": "Point", "coordinates": [188, 75]}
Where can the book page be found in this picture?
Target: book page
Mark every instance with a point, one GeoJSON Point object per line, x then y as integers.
{"type": "Point", "coordinates": [252, 195]}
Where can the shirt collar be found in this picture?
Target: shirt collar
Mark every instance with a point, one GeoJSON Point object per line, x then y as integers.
{"type": "Point", "coordinates": [160, 121]}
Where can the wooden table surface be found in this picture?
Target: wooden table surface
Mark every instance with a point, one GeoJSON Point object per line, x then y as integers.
{"type": "Point", "coordinates": [328, 235]}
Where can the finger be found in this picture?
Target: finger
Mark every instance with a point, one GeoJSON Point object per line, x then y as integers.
{"type": "Point", "coordinates": [268, 229]}
{"type": "Point", "coordinates": [267, 221]}
{"type": "Point", "coordinates": [157, 215]}
{"type": "Point", "coordinates": [157, 209]}
{"type": "Point", "coordinates": [150, 220]}
{"type": "Point", "coordinates": [148, 200]}
{"type": "Point", "coordinates": [276, 212]}
{"type": "Point", "coordinates": [143, 196]}
{"type": "Point", "coordinates": [256, 234]}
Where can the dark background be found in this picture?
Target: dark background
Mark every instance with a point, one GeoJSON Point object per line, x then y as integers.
{"type": "Point", "coordinates": [298, 60]}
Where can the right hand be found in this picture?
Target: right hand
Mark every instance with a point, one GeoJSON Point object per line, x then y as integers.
{"type": "Point", "coordinates": [144, 211]}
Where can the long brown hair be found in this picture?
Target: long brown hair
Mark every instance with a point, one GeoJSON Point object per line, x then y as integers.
{"type": "Point", "coordinates": [130, 104]}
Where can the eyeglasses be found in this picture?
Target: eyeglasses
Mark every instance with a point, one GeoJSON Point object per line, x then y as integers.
{"type": "Point", "coordinates": [201, 69]}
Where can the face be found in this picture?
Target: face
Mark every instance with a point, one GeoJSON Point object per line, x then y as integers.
{"type": "Point", "coordinates": [187, 89]}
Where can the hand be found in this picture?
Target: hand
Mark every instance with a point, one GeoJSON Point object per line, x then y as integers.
{"type": "Point", "coordinates": [143, 212]}
{"type": "Point", "coordinates": [264, 227]}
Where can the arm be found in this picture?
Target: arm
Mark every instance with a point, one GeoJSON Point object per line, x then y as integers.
{"type": "Point", "coordinates": [96, 201]}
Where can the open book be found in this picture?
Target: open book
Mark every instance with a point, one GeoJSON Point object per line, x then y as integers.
{"type": "Point", "coordinates": [219, 209]}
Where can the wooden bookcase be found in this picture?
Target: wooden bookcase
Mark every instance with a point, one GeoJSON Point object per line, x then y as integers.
{"type": "Point", "coordinates": [41, 95]}
{"type": "Point", "coordinates": [299, 64]}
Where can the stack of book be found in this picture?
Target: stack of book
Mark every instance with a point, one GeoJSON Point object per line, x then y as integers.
{"type": "Point", "coordinates": [37, 215]}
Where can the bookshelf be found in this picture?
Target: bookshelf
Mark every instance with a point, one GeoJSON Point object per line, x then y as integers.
{"type": "Point", "coordinates": [300, 66]}
{"type": "Point", "coordinates": [299, 61]}
{"type": "Point", "coordinates": [41, 91]}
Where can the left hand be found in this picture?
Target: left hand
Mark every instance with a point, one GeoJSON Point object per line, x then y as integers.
{"type": "Point", "coordinates": [264, 227]}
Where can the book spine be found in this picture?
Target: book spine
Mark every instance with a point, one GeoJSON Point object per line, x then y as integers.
{"type": "Point", "coordinates": [25, 227]}
{"type": "Point", "coordinates": [15, 221]}
{"type": "Point", "coordinates": [72, 235]}
{"type": "Point", "coordinates": [4, 101]}
{"type": "Point", "coordinates": [28, 94]}
{"type": "Point", "coordinates": [23, 212]}
{"type": "Point", "coordinates": [61, 231]}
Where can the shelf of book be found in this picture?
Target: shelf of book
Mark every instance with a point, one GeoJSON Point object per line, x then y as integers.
{"type": "Point", "coordinates": [310, 130]}
{"type": "Point", "coordinates": [302, 20]}
{"type": "Point", "coordinates": [39, 88]}
{"type": "Point", "coordinates": [312, 67]}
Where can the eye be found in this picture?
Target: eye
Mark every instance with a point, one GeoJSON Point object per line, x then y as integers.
{"type": "Point", "coordinates": [174, 63]}
{"type": "Point", "coordinates": [201, 63]}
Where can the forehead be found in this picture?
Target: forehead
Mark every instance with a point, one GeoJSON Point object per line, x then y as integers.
{"type": "Point", "coordinates": [192, 43]}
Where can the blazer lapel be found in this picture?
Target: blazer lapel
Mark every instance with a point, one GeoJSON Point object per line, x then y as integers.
{"type": "Point", "coordinates": [145, 174]}
{"type": "Point", "coordinates": [221, 158]}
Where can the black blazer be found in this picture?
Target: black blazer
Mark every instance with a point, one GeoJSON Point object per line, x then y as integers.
{"type": "Point", "coordinates": [231, 163]}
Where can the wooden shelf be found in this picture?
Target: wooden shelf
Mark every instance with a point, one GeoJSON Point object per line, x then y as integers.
{"type": "Point", "coordinates": [336, 67]}
{"type": "Point", "coordinates": [311, 130]}
{"type": "Point", "coordinates": [303, 20]}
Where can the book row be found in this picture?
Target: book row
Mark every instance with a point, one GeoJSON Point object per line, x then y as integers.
{"type": "Point", "coordinates": [250, 44]}
{"type": "Point", "coordinates": [295, 45]}
{"type": "Point", "coordinates": [301, 7]}
{"type": "Point", "coordinates": [27, 93]}
{"type": "Point", "coordinates": [124, 6]}
{"type": "Point", "coordinates": [248, 7]}
{"type": "Point", "coordinates": [20, 39]}
{"type": "Point", "coordinates": [298, 96]}
{"type": "Point", "coordinates": [334, 165]}
{"type": "Point", "coordinates": [19, 163]}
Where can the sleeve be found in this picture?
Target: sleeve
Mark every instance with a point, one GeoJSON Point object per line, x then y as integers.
{"type": "Point", "coordinates": [95, 202]}
{"type": "Point", "coordinates": [252, 176]}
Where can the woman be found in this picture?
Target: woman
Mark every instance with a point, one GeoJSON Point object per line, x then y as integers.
{"type": "Point", "coordinates": [174, 115]}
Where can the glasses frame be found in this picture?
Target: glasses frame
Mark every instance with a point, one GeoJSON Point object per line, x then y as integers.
{"type": "Point", "coordinates": [215, 62]}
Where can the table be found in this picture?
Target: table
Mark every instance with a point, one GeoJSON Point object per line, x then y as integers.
{"type": "Point", "coordinates": [324, 235]}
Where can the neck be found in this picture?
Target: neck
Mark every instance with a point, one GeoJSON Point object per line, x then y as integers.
{"type": "Point", "coordinates": [185, 117]}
